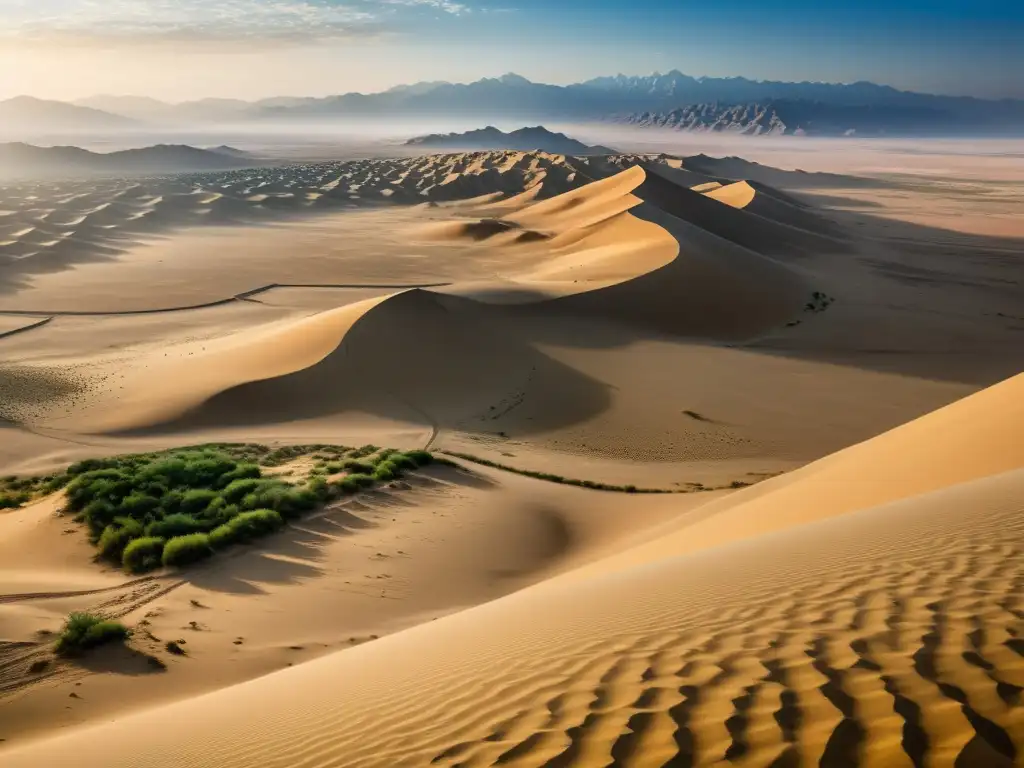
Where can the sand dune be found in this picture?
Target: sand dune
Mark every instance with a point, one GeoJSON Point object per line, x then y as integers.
{"type": "Point", "coordinates": [598, 260]}
{"type": "Point", "coordinates": [882, 636]}
{"type": "Point", "coordinates": [408, 355]}
{"type": "Point", "coordinates": [689, 283]}
{"type": "Point", "coordinates": [771, 204]}
{"type": "Point", "coordinates": [639, 320]}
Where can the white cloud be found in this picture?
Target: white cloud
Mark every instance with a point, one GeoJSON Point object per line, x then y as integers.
{"type": "Point", "coordinates": [112, 21]}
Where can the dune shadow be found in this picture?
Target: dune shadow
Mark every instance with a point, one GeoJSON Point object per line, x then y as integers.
{"type": "Point", "coordinates": [288, 557]}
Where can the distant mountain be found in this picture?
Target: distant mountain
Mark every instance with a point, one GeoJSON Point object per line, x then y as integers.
{"type": "Point", "coordinates": [878, 108]}
{"type": "Point", "coordinates": [158, 112]}
{"type": "Point", "coordinates": [134, 107]}
{"type": "Point", "coordinates": [28, 161]}
{"type": "Point", "coordinates": [513, 97]}
{"type": "Point", "coordinates": [800, 118]}
{"type": "Point", "coordinates": [24, 114]}
{"type": "Point", "coordinates": [238, 154]}
{"type": "Point", "coordinates": [525, 140]}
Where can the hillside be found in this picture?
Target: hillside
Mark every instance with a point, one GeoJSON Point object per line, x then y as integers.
{"type": "Point", "coordinates": [522, 140]}
{"type": "Point", "coordinates": [19, 160]}
{"type": "Point", "coordinates": [24, 114]}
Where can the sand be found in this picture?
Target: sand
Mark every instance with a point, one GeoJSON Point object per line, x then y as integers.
{"type": "Point", "coordinates": [833, 578]}
{"type": "Point", "coordinates": [884, 635]}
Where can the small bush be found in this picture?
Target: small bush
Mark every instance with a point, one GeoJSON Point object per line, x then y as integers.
{"type": "Point", "coordinates": [241, 472]}
{"type": "Point", "coordinates": [84, 630]}
{"type": "Point", "coordinates": [362, 451]}
{"type": "Point", "coordinates": [196, 500]}
{"type": "Point", "coordinates": [362, 481]}
{"type": "Point", "coordinates": [9, 500]}
{"type": "Point", "coordinates": [185, 550]}
{"type": "Point", "coordinates": [143, 554]}
{"type": "Point", "coordinates": [387, 471]}
{"type": "Point", "coordinates": [403, 461]}
{"type": "Point", "coordinates": [383, 454]}
{"type": "Point", "coordinates": [98, 514]}
{"type": "Point", "coordinates": [116, 536]}
{"type": "Point", "coordinates": [237, 490]}
{"type": "Point", "coordinates": [319, 487]}
{"type": "Point", "coordinates": [421, 458]}
{"type": "Point", "coordinates": [358, 467]}
{"type": "Point", "coordinates": [178, 524]}
{"type": "Point", "coordinates": [246, 527]}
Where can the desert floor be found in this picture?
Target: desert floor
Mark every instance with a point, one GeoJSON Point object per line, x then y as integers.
{"type": "Point", "coordinates": [821, 367]}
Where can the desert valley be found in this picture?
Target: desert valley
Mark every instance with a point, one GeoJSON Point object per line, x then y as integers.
{"type": "Point", "coordinates": [654, 444]}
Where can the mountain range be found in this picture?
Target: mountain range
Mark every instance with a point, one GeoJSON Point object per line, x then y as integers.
{"type": "Point", "coordinates": [524, 139]}
{"type": "Point", "coordinates": [18, 160]}
{"type": "Point", "coordinates": [514, 97]}
{"type": "Point", "coordinates": [799, 118]}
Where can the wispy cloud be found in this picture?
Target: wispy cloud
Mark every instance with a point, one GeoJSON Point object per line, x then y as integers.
{"type": "Point", "coordinates": [212, 21]}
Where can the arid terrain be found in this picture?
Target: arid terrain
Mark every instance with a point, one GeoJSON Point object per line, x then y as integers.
{"type": "Point", "coordinates": [818, 372]}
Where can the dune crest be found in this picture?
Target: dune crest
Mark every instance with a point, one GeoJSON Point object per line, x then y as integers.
{"type": "Point", "coordinates": [596, 251]}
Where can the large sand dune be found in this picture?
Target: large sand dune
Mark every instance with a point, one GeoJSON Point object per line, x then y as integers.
{"type": "Point", "coordinates": [645, 320]}
{"type": "Point", "coordinates": [886, 635]}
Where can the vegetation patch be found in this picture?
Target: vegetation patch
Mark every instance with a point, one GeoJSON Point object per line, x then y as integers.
{"type": "Point", "coordinates": [83, 631]}
{"type": "Point", "coordinates": [551, 478]}
{"type": "Point", "coordinates": [17, 491]}
{"type": "Point", "coordinates": [591, 484]}
{"type": "Point", "coordinates": [178, 507]}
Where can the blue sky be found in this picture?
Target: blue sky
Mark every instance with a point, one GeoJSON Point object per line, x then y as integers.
{"type": "Point", "coordinates": [181, 49]}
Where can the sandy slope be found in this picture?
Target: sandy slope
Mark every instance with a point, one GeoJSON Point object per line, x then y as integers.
{"type": "Point", "coordinates": [409, 354]}
{"type": "Point", "coordinates": [602, 320]}
{"type": "Point", "coordinates": [886, 636]}
{"type": "Point", "coordinates": [363, 568]}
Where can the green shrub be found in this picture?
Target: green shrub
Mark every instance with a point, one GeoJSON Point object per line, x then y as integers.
{"type": "Point", "coordinates": [143, 554]}
{"type": "Point", "coordinates": [137, 505]}
{"type": "Point", "coordinates": [246, 527]}
{"type": "Point", "coordinates": [84, 630]}
{"type": "Point", "coordinates": [98, 514]}
{"type": "Point", "coordinates": [421, 458]}
{"type": "Point", "coordinates": [237, 490]}
{"type": "Point", "coordinates": [196, 500]}
{"type": "Point", "coordinates": [241, 472]}
{"type": "Point", "coordinates": [92, 485]}
{"type": "Point", "coordinates": [184, 550]}
{"type": "Point", "coordinates": [116, 536]}
{"type": "Point", "coordinates": [319, 487]}
{"type": "Point", "coordinates": [10, 500]}
{"type": "Point", "coordinates": [403, 461]}
{"type": "Point", "coordinates": [386, 471]}
{"type": "Point", "coordinates": [178, 524]}
{"type": "Point", "coordinates": [383, 454]}
{"type": "Point", "coordinates": [358, 467]}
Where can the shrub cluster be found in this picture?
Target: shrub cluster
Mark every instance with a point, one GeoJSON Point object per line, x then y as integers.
{"type": "Point", "coordinates": [16, 491]}
{"type": "Point", "coordinates": [84, 630]}
{"type": "Point", "coordinates": [176, 508]}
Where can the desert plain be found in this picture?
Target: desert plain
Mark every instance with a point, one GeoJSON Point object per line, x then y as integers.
{"type": "Point", "coordinates": [816, 367]}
